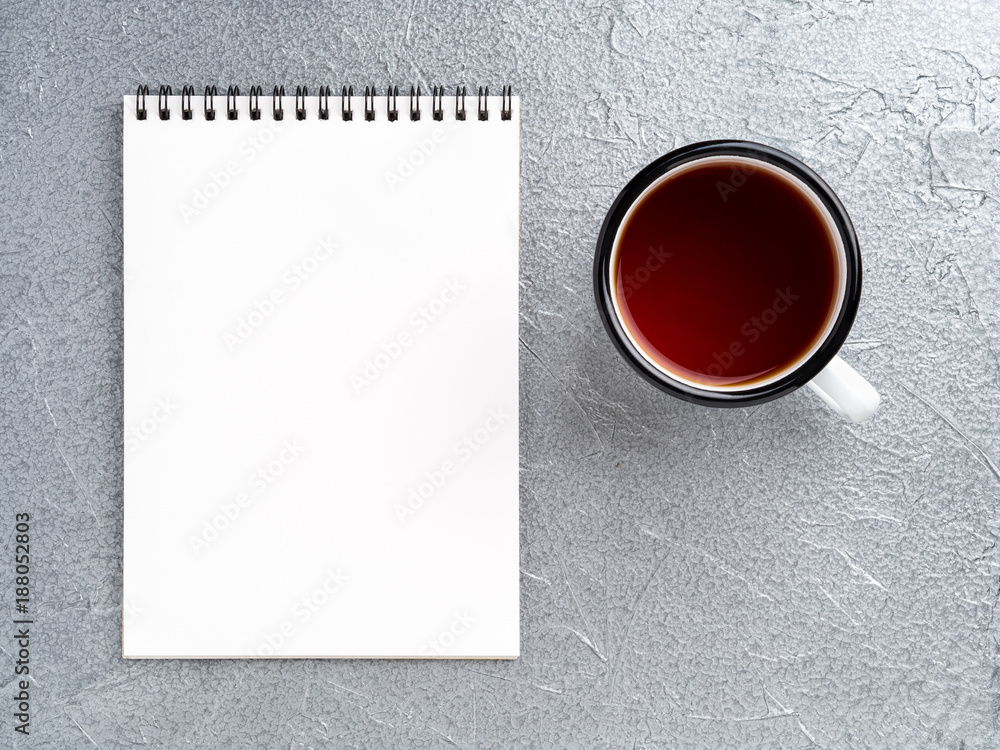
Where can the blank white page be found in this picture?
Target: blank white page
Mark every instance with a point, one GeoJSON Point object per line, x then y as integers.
{"type": "Point", "coordinates": [321, 382]}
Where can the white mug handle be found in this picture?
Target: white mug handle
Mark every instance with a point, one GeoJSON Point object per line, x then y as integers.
{"type": "Point", "coordinates": [845, 391]}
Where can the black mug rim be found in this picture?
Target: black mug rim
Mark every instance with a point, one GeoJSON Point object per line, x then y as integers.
{"type": "Point", "coordinates": [807, 370]}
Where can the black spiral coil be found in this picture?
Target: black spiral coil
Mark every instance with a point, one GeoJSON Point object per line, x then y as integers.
{"type": "Point", "coordinates": [210, 93]}
{"type": "Point", "coordinates": [391, 110]}
{"type": "Point", "coordinates": [324, 102]}
{"type": "Point", "coordinates": [161, 102]}
{"type": "Point", "coordinates": [277, 109]}
{"type": "Point", "coordinates": [346, 103]}
{"type": "Point", "coordinates": [186, 93]}
{"type": "Point", "coordinates": [414, 104]}
{"type": "Point", "coordinates": [255, 92]}
{"type": "Point", "coordinates": [301, 92]}
{"type": "Point", "coordinates": [346, 94]}
{"type": "Point", "coordinates": [437, 102]}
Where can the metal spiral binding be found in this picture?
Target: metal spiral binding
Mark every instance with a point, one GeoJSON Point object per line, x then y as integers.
{"type": "Point", "coordinates": [162, 104]}
{"type": "Point", "coordinates": [483, 104]}
{"type": "Point", "coordinates": [437, 102]}
{"type": "Point", "coordinates": [301, 92]}
{"type": "Point", "coordinates": [324, 102]}
{"type": "Point", "coordinates": [391, 110]}
{"type": "Point", "coordinates": [255, 92]}
{"type": "Point", "coordinates": [414, 104]}
{"type": "Point", "coordinates": [140, 102]}
{"type": "Point", "coordinates": [277, 109]}
{"type": "Point", "coordinates": [346, 103]}
{"type": "Point", "coordinates": [346, 94]}
{"type": "Point", "coordinates": [210, 93]}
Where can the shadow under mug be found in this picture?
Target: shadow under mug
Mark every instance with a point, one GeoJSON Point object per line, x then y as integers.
{"type": "Point", "coordinates": [836, 382]}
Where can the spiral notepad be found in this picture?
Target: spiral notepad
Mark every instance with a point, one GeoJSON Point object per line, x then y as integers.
{"type": "Point", "coordinates": [321, 373]}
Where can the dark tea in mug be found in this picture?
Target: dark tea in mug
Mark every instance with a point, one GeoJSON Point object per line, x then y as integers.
{"type": "Point", "coordinates": [727, 273]}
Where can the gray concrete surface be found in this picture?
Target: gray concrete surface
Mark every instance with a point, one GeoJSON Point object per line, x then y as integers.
{"type": "Point", "coordinates": [692, 578]}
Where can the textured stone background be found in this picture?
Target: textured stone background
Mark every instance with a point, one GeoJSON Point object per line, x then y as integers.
{"type": "Point", "coordinates": [691, 578]}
